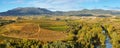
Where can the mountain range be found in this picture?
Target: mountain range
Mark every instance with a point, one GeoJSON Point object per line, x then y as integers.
{"type": "Point", "coordinates": [21, 11]}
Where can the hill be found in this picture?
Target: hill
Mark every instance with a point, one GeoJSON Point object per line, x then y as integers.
{"type": "Point", "coordinates": [26, 11]}
{"type": "Point", "coordinates": [42, 11]}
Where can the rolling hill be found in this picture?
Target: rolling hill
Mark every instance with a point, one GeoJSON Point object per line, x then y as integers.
{"type": "Point", "coordinates": [26, 11]}
{"type": "Point", "coordinates": [42, 11]}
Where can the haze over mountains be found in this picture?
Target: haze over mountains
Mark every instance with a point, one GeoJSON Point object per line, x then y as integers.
{"type": "Point", "coordinates": [42, 11]}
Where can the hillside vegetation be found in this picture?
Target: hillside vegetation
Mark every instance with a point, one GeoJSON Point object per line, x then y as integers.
{"type": "Point", "coordinates": [27, 11]}
{"type": "Point", "coordinates": [60, 32]}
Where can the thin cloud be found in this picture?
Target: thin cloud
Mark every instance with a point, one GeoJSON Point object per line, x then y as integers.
{"type": "Point", "coordinates": [114, 8]}
{"type": "Point", "coordinates": [15, 2]}
{"type": "Point", "coordinates": [60, 4]}
{"type": "Point", "coordinates": [56, 4]}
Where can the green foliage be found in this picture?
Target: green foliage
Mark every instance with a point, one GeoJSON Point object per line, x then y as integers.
{"type": "Point", "coordinates": [22, 43]}
{"type": "Point", "coordinates": [59, 44]}
{"type": "Point", "coordinates": [4, 22]}
{"type": "Point", "coordinates": [83, 33]}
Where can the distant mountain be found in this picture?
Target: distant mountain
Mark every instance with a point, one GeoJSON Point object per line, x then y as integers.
{"type": "Point", "coordinates": [26, 11]}
{"type": "Point", "coordinates": [93, 11]}
{"type": "Point", "coordinates": [43, 11]}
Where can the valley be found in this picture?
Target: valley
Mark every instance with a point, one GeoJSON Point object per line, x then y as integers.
{"type": "Point", "coordinates": [59, 31]}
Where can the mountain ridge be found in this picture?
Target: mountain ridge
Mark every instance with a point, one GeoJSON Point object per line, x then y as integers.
{"type": "Point", "coordinates": [42, 11]}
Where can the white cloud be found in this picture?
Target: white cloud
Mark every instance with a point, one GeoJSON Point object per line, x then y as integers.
{"type": "Point", "coordinates": [54, 4]}
{"type": "Point", "coordinates": [15, 2]}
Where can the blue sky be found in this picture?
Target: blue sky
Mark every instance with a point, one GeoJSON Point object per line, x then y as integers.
{"type": "Point", "coordinates": [61, 5]}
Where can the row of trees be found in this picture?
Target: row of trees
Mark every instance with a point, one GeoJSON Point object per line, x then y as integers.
{"type": "Point", "coordinates": [87, 35]}
{"type": "Point", "coordinates": [114, 33]}
{"type": "Point", "coordinates": [4, 22]}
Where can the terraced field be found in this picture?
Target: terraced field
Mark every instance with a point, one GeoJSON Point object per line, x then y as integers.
{"type": "Point", "coordinates": [31, 30]}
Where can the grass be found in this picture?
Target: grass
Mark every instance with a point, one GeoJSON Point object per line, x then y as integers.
{"type": "Point", "coordinates": [7, 38]}
{"type": "Point", "coordinates": [54, 25]}
{"type": "Point", "coordinates": [25, 32]}
{"type": "Point", "coordinates": [28, 29]}
{"type": "Point", "coordinates": [48, 24]}
{"type": "Point", "coordinates": [58, 28]}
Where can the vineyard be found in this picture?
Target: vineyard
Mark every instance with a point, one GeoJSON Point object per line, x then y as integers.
{"type": "Point", "coordinates": [65, 33]}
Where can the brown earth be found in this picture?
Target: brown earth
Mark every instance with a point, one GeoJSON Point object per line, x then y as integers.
{"type": "Point", "coordinates": [33, 31]}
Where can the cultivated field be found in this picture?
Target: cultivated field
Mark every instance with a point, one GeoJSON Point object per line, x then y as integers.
{"type": "Point", "coordinates": [63, 32]}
